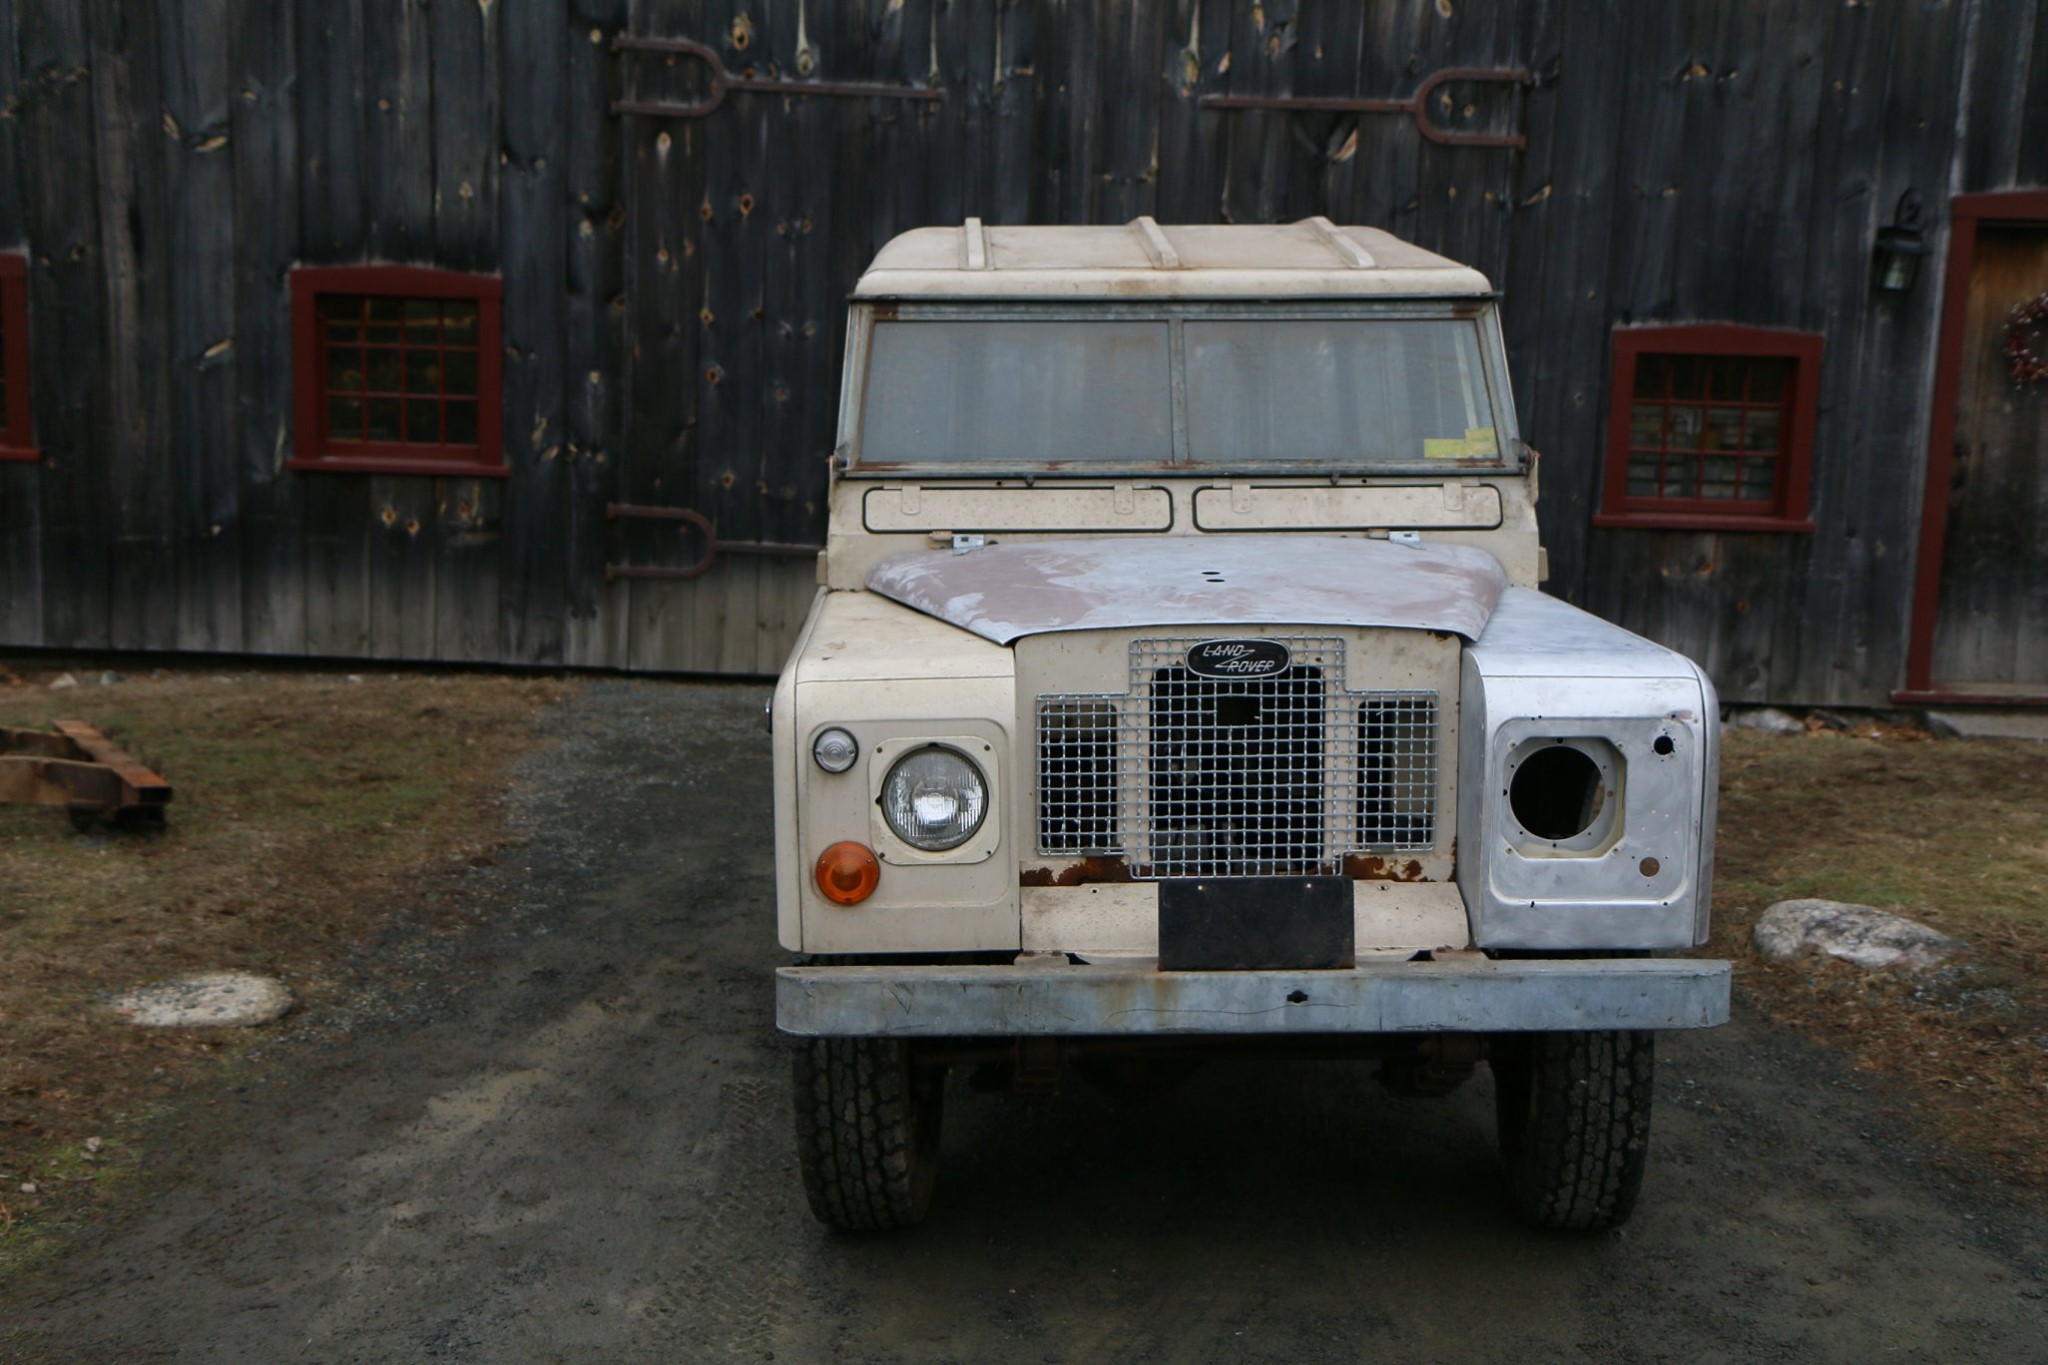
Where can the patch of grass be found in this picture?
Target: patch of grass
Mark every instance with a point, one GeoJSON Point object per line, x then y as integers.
{"type": "Point", "coordinates": [307, 807]}
{"type": "Point", "coordinates": [1951, 833]}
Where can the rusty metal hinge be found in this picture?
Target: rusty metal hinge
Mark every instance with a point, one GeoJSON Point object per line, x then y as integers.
{"type": "Point", "coordinates": [713, 546]}
{"type": "Point", "coordinates": [721, 81]}
{"type": "Point", "coordinates": [1416, 106]}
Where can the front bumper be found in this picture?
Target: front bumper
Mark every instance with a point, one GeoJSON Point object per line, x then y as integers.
{"type": "Point", "coordinates": [1462, 995]}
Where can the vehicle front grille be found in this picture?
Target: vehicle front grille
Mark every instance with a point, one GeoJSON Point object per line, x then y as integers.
{"type": "Point", "coordinates": [1192, 776]}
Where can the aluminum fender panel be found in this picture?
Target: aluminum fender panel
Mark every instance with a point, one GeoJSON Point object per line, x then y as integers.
{"type": "Point", "coordinates": [1474, 996]}
{"type": "Point", "coordinates": [1639, 877]}
{"type": "Point", "coordinates": [1003, 592]}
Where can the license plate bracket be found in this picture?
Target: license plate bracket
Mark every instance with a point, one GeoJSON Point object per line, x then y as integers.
{"type": "Point", "coordinates": [1242, 924]}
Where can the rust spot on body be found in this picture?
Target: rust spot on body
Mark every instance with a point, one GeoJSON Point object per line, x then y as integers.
{"type": "Point", "coordinates": [1365, 867]}
{"type": "Point", "coordinates": [1097, 869]}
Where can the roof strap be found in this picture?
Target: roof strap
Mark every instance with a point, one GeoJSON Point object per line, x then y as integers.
{"type": "Point", "coordinates": [1355, 256]}
{"type": "Point", "coordinates": [1164, 257]}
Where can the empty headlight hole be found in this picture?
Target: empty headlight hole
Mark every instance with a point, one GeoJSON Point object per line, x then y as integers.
{"type": "Point", "coordinates": [1557, 792]}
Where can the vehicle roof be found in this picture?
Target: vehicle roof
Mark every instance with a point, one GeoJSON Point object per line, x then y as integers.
{"type": "Point", "coordinates": [1313, 258]}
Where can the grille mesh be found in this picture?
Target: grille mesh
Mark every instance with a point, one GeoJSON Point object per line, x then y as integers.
{"type": "Point", "coordinates": [1188, 776]}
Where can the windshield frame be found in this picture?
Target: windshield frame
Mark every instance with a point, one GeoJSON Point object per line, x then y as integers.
{"type": "Point", "coordinates": [1478, 309]}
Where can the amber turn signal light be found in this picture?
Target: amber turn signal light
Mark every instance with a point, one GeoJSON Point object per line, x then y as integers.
{"type": "Point", "coordinates": [848, 873]}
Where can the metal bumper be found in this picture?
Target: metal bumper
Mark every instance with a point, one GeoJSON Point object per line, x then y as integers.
{"type": "Point", "coordinates": [1473, 995]}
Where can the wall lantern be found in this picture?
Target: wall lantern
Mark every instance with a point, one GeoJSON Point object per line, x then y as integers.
{"type": "Point", "coordinates": [1900, 245]}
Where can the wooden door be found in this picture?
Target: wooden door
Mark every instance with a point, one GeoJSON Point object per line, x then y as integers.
{"type": "Point", "coordinates": [1991, 618]}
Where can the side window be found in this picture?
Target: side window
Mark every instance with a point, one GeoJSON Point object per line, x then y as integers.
{"type": "Point", "coordinates": [397, 370]}
{"type": "Point", "coordinates": [1711, 428]}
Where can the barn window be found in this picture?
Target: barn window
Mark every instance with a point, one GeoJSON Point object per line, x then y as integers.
{"type": "Point", "coordinates": [397, 370]}
{"type": "Point", "coordinates": [1711, 428]}
{"type": "Point", "coordinates": [17, 437]}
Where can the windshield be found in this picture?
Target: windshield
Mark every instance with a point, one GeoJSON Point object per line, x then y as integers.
{"type": "Point", "coordinates": [1348, 391]}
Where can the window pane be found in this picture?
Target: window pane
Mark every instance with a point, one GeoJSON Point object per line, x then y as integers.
{"type": "Point", "coordinates": [1767, 380]}
{"type": "Point", "coordinates": [1758, 478]}
{"type": "Point", "coordinates": [1350, 390]}
{"type": "Point", "coordinates": [384, 319]}
{"type": "Point", "coordinates": [1688, 376]}
{"type": "Point", "coordinates": [963, 391]}
{"type": "Point", "coordinates": [458, 318]}
{"type": "Point", "coordinates": [344, 369]}
{"type": "Point", "coordinates": [1717, 477]}
{"type": "Point", "coordinates": [423, 421]}
{"type": "Point", "coordinates": [1724, 429]}
{"type": "Point", "coordinates": [422, 321]}
{"type": "Point", "coordinates": [383, 414]}
{"type": "Point", "coordinates": [1685, 427]}
{"type": "Point", "coordinates": [422, 371]}
{"type": "Point", "coordinates": [461, 424]}
{"type": "Point", "coordinates": [1765, 427]}
{"type": "Point", "coordinates": [345, 419]}
{"type": "Point", "coordinates": [383, 366]}
{"type": "Point", "coordinates": [1646, 426]}
{"type": "Point", "coordinates": [343, 315]}
{"type": "Point", "coordinates": [461, 367]}
{"type": "Point", "coordinates": [1642, 476]}
{"type": "Point", "coordinates": [1681, 476]}
{"type": "Point", "coordinates": [1652, 372]}
{"type": "Point", "coordinates": [1724, 377]}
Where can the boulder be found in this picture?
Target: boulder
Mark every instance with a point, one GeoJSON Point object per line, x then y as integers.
{"type": "Point", "coordinates": [206, 1000]}
{"type": "Point", "coordinates": [1768, 719]}
{"type": "Point", "coordinates": [1861, 934]}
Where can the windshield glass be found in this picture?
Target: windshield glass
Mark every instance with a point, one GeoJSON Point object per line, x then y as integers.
{"type": "Point", "coordinates": [1347, 391]}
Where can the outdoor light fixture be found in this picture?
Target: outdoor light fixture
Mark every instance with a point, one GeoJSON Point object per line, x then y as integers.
{"type": "Point", "coordinates": [1900, 245]}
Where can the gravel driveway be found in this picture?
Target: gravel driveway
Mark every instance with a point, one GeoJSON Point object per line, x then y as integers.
{"type": "Point", "coordinates": [565, 1136]}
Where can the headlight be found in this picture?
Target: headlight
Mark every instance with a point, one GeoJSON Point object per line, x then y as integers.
{"type": "Point", "coordinates": [934, 799]}
{"type": "Point", "coordinates": [834, 750]}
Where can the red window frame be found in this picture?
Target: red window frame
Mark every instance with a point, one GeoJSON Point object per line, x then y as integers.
{"type": "Point", "coordinates": [319, 448]}
{"type": "Point", "coordinates": [17, 425]}
{"type": "Point", "coordinates": [1792, 478]}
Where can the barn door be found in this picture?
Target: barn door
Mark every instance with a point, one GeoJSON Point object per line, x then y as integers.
{"type": "Point", "coordinates": [1988, 632]}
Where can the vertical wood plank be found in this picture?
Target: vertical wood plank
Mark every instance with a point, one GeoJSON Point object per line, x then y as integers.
{"type": "Point", "coordinates": [21, 531]}
{"type": "Point", "coordinates": [533, 595]}
{"type": "Point", "coordinates": [263, 140]}
{"type": "Point", "coordinates": [595, 319]}
{"type": "Point", "coordinates": [196, 38]}
{"type": "Point", "coordinates": [128, 483]}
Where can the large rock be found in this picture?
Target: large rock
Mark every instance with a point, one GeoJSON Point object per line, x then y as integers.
{"type": "Point", "coordinates": [1861, 934]}
{"type": "Point", "coordinates": [206, 1000]}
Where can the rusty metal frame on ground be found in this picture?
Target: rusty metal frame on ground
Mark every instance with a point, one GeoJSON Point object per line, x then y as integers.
{"type": "Point", "coordinates": [721, 81]}
{"type": "Point", "coordinates": [75, 766]}
{"type": "Point", "coordinates": [713, 546]}
{"type": "Point", "coordinates": [1416, 106]}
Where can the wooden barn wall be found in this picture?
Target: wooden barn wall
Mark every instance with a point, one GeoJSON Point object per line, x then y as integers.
{"type": "Point", "coordinates": [674, 286]}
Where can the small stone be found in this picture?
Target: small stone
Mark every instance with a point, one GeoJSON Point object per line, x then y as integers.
{"type": "Point", "coordinates": [28, 1187]}
{"type": "Point", "coordinates": [63, 680]}
{"type": "Point", "coordinates": [1859, 934]}
{"type": "Point", "coordinates": [109, 678]}
{"type": "Point", "coordinates": [1768, 719]}
{"type": "Point", "coordinates": [355, 677]}
{"type": "Point", "coordinates": [206, 1000]}
{"type": "Point", "coordinates": [93, 1144]}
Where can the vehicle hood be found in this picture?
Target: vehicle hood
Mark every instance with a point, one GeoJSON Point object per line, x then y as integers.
{"type": "Point", "coordinates": [1004, 592]}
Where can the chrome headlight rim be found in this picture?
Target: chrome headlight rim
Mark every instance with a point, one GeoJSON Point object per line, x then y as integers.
{"type": "Point", "coordinates": [976, 779]}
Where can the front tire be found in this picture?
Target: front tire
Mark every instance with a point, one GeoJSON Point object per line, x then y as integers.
{"type": "Point", "coordinates": [867, 1132]}
{"type": "Point", "coordinates": [1573, 1112]}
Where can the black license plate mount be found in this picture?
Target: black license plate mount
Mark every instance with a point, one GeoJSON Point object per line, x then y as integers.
{"type": "Point", "coordinates": [1243, 924]}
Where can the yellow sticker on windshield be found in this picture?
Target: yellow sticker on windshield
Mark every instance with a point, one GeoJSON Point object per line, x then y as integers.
{"type": "Point", "coordinates": [1476, 443]}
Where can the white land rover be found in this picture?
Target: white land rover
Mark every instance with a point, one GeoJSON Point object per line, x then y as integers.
{"type": "Point", "coordinates": [1179, 683]}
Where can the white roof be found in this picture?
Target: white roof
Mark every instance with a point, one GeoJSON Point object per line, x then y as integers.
{"type": "Point", "coordinates": [1313, 258]}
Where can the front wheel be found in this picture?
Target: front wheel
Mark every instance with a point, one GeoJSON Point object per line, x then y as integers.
{"type": "Point", "coordinates": [867, 1132]}
{"type": "Point", "coordinates": [1573, 1112]}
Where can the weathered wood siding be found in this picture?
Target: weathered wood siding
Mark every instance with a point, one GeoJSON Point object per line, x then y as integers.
{"type": "Point", "coordinates": [674, 287]}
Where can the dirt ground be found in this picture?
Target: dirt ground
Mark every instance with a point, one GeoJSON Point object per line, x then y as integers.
{"type": "Point", "coordinates": [564, 1136]}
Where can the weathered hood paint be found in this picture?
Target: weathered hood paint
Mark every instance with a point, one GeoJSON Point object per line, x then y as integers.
{"type": "Point", "coordinates": [1004, 592]}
